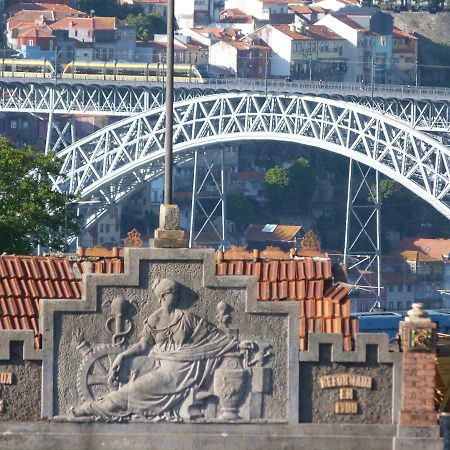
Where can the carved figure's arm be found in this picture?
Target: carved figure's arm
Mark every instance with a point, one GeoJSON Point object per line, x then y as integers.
{"type": "Point", "coordinates": [141, 347]}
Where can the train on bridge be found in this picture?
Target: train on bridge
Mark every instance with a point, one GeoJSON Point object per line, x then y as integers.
{"type": "Point", "coordinates": [99, 70]}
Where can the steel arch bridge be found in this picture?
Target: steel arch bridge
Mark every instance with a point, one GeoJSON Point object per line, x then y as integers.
{"type": "Point", "coordinates": [422, 109]}
{"type": "Point", "coordinates": [107, 166]}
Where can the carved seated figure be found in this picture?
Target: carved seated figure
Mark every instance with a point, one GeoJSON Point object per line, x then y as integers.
{"type": "Point", "coordinates": [183, 351]}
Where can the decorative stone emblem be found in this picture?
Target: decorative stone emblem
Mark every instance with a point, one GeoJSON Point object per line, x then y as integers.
{"type": "Point", "coordinates": [180, 369]}
{"type": "Point", "coordinates": [133, 239]}
{"type": "Point", "coordinates": [310, 241]}
{"type": "Point", "coordinates": [421, 340]}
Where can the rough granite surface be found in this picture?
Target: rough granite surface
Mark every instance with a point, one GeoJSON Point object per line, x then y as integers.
{"type": "Point", "coordinates": [318, 405]}
{"type": "Point", "coordinates": [22, 398]}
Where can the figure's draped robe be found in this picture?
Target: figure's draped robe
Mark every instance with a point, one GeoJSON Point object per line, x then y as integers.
{"type": "Point", "coordinates": [183, 355]}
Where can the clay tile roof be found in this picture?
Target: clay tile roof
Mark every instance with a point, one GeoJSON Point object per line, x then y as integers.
{"type": "Point", "coordinates": [349, 22]}
{"type": "Point", "coordinates": [89, 23]}
{"type": "Point", "coordinates": [436, 248]}
{"type": "Point", "coordinates": [25, 280]}
{"type": "Point", "coordinates": [397, 33]}
{"type": "Point", "coordinates": [324, 306]}
{"type": "Point", "coordinates": [320, 32]}
{"type": "Point", "coordinates": [279, 233]}
{"type": "Point", "coordinates": [281, 276]}
{"type": "Point", "coordinates": [306, 9]}
{"type": "Point", "coordinates": [286, 29]}
{"type": "Point", "coordinates": [414, 255]}
{"type": "Point", "coordinates": [59, 8]}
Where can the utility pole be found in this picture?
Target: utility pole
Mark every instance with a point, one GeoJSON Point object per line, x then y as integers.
{"type": "Point", "coordinates": [168, 157]}
{"type": "Point", "coordinates": [372, 77]}
{"type": "Point", "coordinates": [266, 74]}
{"type": "Point", "coordinates": [56, 64]}
{"type": "Point", "coordinates": [416, 72]}
{"type": "Point", "coordinates": [310, 68]}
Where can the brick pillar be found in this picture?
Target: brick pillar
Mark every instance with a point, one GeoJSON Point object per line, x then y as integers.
{"type": "Point", "coordinates": [418, 337]}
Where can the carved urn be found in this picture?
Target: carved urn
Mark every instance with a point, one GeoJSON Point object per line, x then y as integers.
{"type": "Point", "coordinates": [230, 385]}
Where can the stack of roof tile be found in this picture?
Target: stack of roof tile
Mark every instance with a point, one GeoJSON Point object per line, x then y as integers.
{"type": "Point", "coordinates": [24, 280]}
{"type": "Point", "coordinates": [324, 306]}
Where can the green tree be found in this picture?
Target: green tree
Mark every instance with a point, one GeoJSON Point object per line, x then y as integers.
{"type": "Point", "coordinates": [285, 187]}
{"type": "Point", "coordinates": [108, 8]}
{"type": "Point", "coordinates": [239, 209]}
{"type": "Point", "coordinates": [277, 183]}
{"type": "Point", "coordinates": [146, 25]}
{"type": "Point", "coordinates": [302, 181]}
{"type": "Point", "coordinates": [31, 212]}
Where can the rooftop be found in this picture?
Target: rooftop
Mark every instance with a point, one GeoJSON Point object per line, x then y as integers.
{"type": "Point", "coordinates": [397, 33]}
{"type": "Point", "coordinates": [58, 8]}
{"type": "Point", "coordinates": [273, 232]}
{"type": "Point", "coordinates": [306, 9]}
{"type": "Point", "coordinates": [321, 32]}
{"type": "Point", "coordinates": [89, 23]}
{"type": "Point", "coordinates": [324, 305]}
{"type": "Point", "coordinates": [288, 31]}
{"type": "Point", "coordinates": [348, 21]}
{"type": "Point", "coordinates": [435, 248]}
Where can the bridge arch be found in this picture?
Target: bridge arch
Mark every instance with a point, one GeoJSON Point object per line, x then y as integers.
{"type": "Point", "coordinates": [112, 162]}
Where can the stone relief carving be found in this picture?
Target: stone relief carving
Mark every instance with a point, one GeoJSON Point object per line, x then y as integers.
{"type": "Point", "coordinates": [183, 368]}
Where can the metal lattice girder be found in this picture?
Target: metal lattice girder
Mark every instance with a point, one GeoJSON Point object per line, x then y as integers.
{"type": "Point", "coordinates": [208, 201]}
{"type": "Point", "coordinates": [110, 162]}
{"type": "Point", "coordinates": [362, 249]}
{"type": "Point", "coordinates": [122, 101]}
{"type": "Point", "coordinates": [60, 133]}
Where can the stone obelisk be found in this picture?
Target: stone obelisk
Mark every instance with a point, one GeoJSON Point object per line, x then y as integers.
{"type": "Point", "coordinates": [169, 234]}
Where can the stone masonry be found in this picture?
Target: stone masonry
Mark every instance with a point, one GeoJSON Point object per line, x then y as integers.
{"type": "Point", "coordinates": [418, 337]}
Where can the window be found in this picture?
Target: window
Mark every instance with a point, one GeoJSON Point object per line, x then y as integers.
{"type": "Point", "coordinates": [13, 124]}
{"type": "Point", "coordinates": [391, 288]}
{"type": "Point", "coordinates": [400, 288]}
{"type": "Point", "coordinates": [30, 42]}
{"type": "Point", "coordinates": [409, 287]}
{"type": "Point", "coordinates": [408, 305]}
{"type": "Point", "coordinates": [107, 227]}
{"type": "Point", "coordinates": [399, 305]}
{"type": "Point", "coordinates": [390, 306]}
{"type": "Point", "coordinates": [101, 228]}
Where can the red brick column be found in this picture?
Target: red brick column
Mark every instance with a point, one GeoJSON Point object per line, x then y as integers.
{"type": "Point", "coordinates": [418, 337]}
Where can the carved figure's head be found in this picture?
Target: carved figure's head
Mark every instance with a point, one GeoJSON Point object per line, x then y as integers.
{"type": "Point", "coordinates": [166, 290]}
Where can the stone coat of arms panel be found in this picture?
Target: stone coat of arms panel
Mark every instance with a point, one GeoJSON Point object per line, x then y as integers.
{"type": "Point", "coordinates": [170, 341]}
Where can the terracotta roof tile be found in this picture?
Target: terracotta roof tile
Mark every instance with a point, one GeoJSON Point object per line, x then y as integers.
{"type": "Point", "coordinates": [24, 280]}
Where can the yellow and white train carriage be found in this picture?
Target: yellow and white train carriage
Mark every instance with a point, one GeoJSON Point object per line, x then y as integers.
{"type": "Point", "coordinates": [26, 68]}
{"type": "Point", "coordinates": [122, 71]}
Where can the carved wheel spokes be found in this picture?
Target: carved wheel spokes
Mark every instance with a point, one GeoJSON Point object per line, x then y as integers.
{"type": "Point", "coordinates": [94, 377]}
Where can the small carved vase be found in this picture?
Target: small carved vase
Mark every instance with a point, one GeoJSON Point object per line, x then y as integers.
{"type": "Point", "coordinates": [230, 386]}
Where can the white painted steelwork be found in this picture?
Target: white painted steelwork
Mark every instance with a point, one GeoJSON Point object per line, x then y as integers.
{"type": "Point", "coordinates": [421, 108]}
{"type": "Point", "coordinates": [111, 162]}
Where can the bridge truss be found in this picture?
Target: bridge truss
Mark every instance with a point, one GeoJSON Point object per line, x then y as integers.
{"type": "Point", "coordinates": [68, 100]}
{"type": "Point", "coordinates": [111, 163]}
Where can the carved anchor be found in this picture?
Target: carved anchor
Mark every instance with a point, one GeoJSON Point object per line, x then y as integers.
{"type": "Point", "coordinates": [121, 325]}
